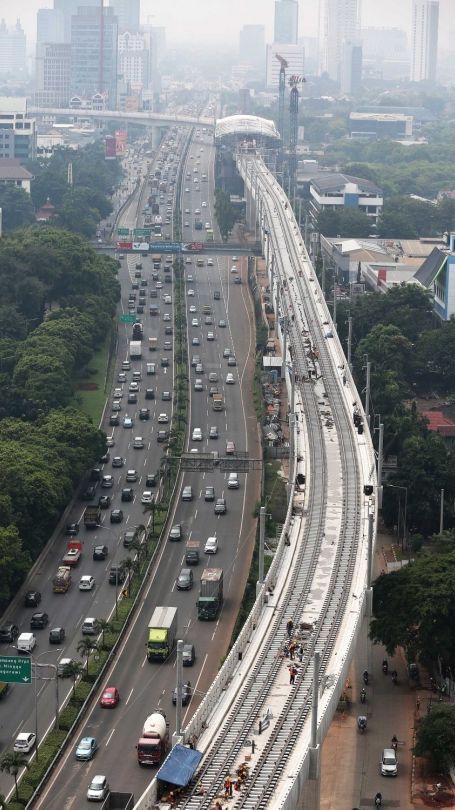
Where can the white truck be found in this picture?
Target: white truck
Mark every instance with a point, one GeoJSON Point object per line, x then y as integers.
{"type": "Point", "coordinates": [135, 349]}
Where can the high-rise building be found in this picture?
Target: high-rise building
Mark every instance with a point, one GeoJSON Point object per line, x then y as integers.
{"type": "Point", "coordinates": [252, 46]}
{"type": "Point", "coordinates": [424, 40]}
{"type": "Point", "coordinates": [50, 26]}
{"type": "Point", "coordinates": [69, 8]}
{"type": "Point", "coordinates": [294, 56]}
{"type": "Point", "coordinates": [128, 13]}
{"type": "Point", "coordinates": [94, 54]}
{"type": "Point", "coordinates": [17, 130]}
{"type": "Point", "coordinates": [52, 77]}
{"type": "Point", "coordinates": [339, 24]}
{"type": "Point", "coordinates": [286, 21]}
{"type": "Point", "coordinates": [12, 50]}
{"type": "Point", "coordinates": [135, 60]}
{"type": "Point", "coordinates": [351, 69]}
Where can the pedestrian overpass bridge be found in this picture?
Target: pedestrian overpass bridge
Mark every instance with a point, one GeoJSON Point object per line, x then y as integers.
{"type": "Point", "coordinates": [153, 119]}
{"type": "Point", "coordinates": [253, 720]}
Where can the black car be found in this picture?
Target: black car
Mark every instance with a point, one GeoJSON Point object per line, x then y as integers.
{"type": "Point", "coordinates": [100, 552]}
{"type": "Point", "coordinates": [89, 492]}
{"type": "Point", "coordinates": [32, 599]}
{"type": "Point", "coordinates": [186, 694]}
{"type": "Point", "coordinates": [8, 632]}
{"type": "Point", "coordinates": [104, 501]}
{"type": "Point", "coordinates": [150, 480]}
{"type": "Point", "coordinates": [149, 393]}
{"type": "Point", "coordinates": [168, 330]}
{"type": "Point", "coordinates": [188, 655]}
{"type": "Point", "coordinates": [117, 575]}
{"type": "Point", "coordinates": [144, 414]}
{"type": "Point", "coordinates": [114, 420]}
{"type": "Point", "coordinates": [127, 494]}
{"type": "Point", "coordinates": [72, 529]}
{"type": "Point", "coordinates": [140, 309]}
{"type": "Point", "coordinates": [56, 635]}
{"type": "Point", "coordinates": [165, 362]}
{"type": "Point", "coordinates": [132, 398]}
{"type": "Point", "coordinates": [95, 474]}
{"type": "Point", "coordinates": [162, 436]}
{"type": "Point", "coordinates": [39, 620]}
{"type": "Point", "coordinates": [116, 516]}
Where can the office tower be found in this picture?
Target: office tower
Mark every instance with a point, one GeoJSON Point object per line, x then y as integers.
{"type": "Point", "coordinates": [94, 54]}
{"type": "Point", "coordinates": [52, 77]}
{"type": "Point", "coordinates": [424, 40]}
{"type": "Point", "coordinates": [286, 21]}
{"type": "Point", "coordinates": [68, 8]}
{"type": "Point", "coordinates": [252, 46]}
{"type": "Point", "coordinates": [128, 13]}
{"type": "Point", "coordinates": [294, 56]}
{"type": "Point", "coordinates": [351, 69]}
{"type": "Point", "coordinates": [12, 50]}
{"type": "Point", "coordinates": [135, 60]}
{"type": "Point", "coordinates": [17, 130]}
{"type": "Point", "coordinates": [338, 24]}
{"type": "Point", "coordinates": [50, 26]}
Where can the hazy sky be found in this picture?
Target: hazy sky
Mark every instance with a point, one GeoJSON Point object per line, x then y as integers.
{"type": "Point", "coordinates": [221, 19]}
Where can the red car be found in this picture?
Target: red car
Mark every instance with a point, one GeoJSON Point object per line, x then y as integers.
{"type": "Point", "coordinates": [110, 697]}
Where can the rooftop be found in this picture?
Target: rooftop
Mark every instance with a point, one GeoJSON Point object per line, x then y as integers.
{"type": "Point", "coordinates": [246, 125]}
{"type": "Point", "coordinates": [12, 104]}
{"type": "Point", "coordinates": [11, 169]}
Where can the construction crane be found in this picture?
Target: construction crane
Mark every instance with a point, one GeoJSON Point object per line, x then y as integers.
{"type": "Point", "coordinates": [294, 81]}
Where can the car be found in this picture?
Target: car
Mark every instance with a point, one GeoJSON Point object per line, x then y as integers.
{"type": "Point", "coordinates": [134, 387]}
{"type": "Point", "coordinates": [39, 620]}
{"type": "Point", "coordinates": [195, 360]}
{"type": "Point", "coordinates": [389, 766]}
{"type": "Point", "coordinates": [211, 545]}
{"type": "Point", "coordinates": [198, 385]}
{"type": "Point", "coordinates": [231, 360]}
{"type": "Point", "coordinates": [163, 418]}
{"type": "Point", "coordinates": [110, 697]}
{"type": "Point", "coordinates": [209, 262]}
{"type": "Point", "coordinates": [132, 398]}
{"type": "Point", "coordinates": [209, 494]}
{"type": "Point", "coordinates": [151, 369]}
{"type": "Point", "coordinates": [213, 377]}
{"type": "Point", "coordinates": [104, 501]}
{"type": "Point", "coordinates": [86, 582]}
{"type": "Point", "coordinates": [118, 393]}
{"type": "Point", "coordinates": [220, 506]}
{"type": "Point", "coordinates": [86, 748]}
{"type": "Point", "coordinates": [165, 362]}
{"type": "Point", "coordinates": [107, 482]}
{"type": "Point", "coordinates": [150, 392]}
{"type": "Point", "coordinates": [168, 330]}
{"type": "Point", "coordinates": [233, 481]}
{"type": "Point", "coordinates": [208, 320]}
{"type": "Point", "coordinates": [90, 626]}
{"type": "Point", "coordinates": [199, 368]}
{"type": "Point", "coordinates": [127, 494]}
{"type": "Point", "coordinates": [159, 285]}
{"type": "Point", "coordinates": [98, 788]}
{"type": "Point", "coordinates": [151, 479]}
{"type": "Point", "coordinates": [213, 390]}
{"type": "Point", "coordinates": [230, 448]}
{"type": "Point", "coordinates": [32, 599]}
{"type": "Point", "coordinates": [56, 635]}
{"type": "Point", "coordinates": [195, 322]}
{"type": "Point", "coordinates": [197, 435]}
{"type": "Point", "coordinates": [166, 317]}
{"type": "Point", "coordinates": [110, 441]}
{"type": "Point", "coordinates": [128, 538]}
{"type": "Point", "coordinates": [204, 204]}
{"type": "Point", "coordinates": [114, 420]}
{"type": "Point", "coordinates": [8, 632]}
{"type": "Point", "coordinates": [100, 552]}
{"type": "Point", "coordinates": [89, 492]}
{"type": "Point", "coordinates": [176, 532]}
{"type": "Point", "coordinates": [188, 260]}
{"type": "Point", "coordinates": [116, 516]}
{"type": "Point", "coordinates": [188, 655]}
{"type": "Point", "coordinates": [118, 461]}
{"type": "Point", "coordinates": [234, 269]}
{"type": "Point", "coordinates": [131, 476]}
{"type": "Point", "coordinates": [235, 258]}
{"type": "Point", "coordinates": [213, 432]}
{"type": "Point", "coordinates": [185, 580]}
{"type": "Point", "coordinates": [166, 396]}
{"type": "Point", "coordinates": [195, 341]}
{"type": "Point", "coordinates": [187, 493]}
{"type": "Point", "coordinates": [190, 293]}
{"type": "Point", "coordinates": [121, 377]}
{"type": "Point", "coordinates": [117, 574]}
{"type": "Point", "coordinates": [230, 379]}
{"type": "Point", "coordinates": [167, 346]}
{"type": "Point", "coordinates": [185, 694]}
{"type": "Point", "coordinates": [144, 414]}
{"type": "Point", "coordinates": [24, 742]}
{"type": "Point", "coordinates": [162, 436]}
{"type": "Point", "coordinates": [222, 324]}
{"type": "Point", "coordinates": [226, 352]}
{"type": "Point", "coordinates": [72, 529]}
{"type": "Point", "coordinates": [116, 406]}
{"type": "Point", "coordinates": [193, 308]}
{"type": "Point", "coordinates": [147, 497]}
{"type": "Point", "coordinates": [128, 422]}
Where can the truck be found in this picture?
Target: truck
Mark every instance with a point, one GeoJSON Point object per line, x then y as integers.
{"type": "Point", "coordinates": [162, 630]}
{"type": "Point", "coordinates": [153, 743]}
{"type": "Point", "coordinates": [135, 349]}
{"type": "Point", "coordinates": [217, 402]}
{"type": "Point", "coordinates": [210, 594]}
{"type": "Point", "coordinates": [92, 517]}
{"type": "Point", "coordinates": [155, 208]}
{"type": "Point", "coordinates": [192, 549]}
{"type": "Point", "coordinates": [62, 579]}
{"type": "Point", "coordinates": [115, 800]}
{"type": "Point", "coordinates": [73, 552]}
{"type": "Point", "coordinates": [153, 343]}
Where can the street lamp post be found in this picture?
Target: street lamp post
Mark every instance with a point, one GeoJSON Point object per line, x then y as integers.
{"type": "Point", "coordinates": [36, 667]}
{"type": "Point", "coordinates": [396, 486]}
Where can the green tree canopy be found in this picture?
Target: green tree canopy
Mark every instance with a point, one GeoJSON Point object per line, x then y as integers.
{"type": "Point", "coordinates": [435, 737]}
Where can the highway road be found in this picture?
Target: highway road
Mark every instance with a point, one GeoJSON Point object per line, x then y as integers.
{"type": "Point", "coordinates": [144, 686]}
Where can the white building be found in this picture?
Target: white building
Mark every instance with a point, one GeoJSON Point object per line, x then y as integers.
{"type": "Point", "coordinates": [294, 56]}
{"type": "Point", "coordinates": [12, 50]}
{"type": "Point", "coordinates": [17, 130]}
{"type": "Point", "coordinates": [424, 40]}
{"type": "Point", "coordinates": [13, 174]}
{"type": "Point", "coordinates": [135, 60]}
{"type": "Point", "coordinates": [339, 24]}
{"type": "Point", "coordinates": [286, 28]}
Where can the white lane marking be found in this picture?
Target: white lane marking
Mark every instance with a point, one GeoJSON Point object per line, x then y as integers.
{"type": "Point", "coordinates": [110, 737]}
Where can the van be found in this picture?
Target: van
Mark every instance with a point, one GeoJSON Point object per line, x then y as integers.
{"type": "Point", "coordinates": [26, 643]}
{"type": "Point", "coordinates": [151, 368]}
{"type": "Point", "coordinates": [233, 481]}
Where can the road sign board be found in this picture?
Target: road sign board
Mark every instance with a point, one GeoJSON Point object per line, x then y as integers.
{"type": "Point", "coordinates": [166, 247]}
{"type": "Point", "coordinates": [127, 318]}
{"type": "Point", "coordinates": [123, 231]}
{"type": "Point", "coordinates": [15, 669]}
{"type": "Point", "coordinates": [142, 232]}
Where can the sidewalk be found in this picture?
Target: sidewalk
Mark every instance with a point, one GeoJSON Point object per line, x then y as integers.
{"type": "Point", "coordinates": [350, 774]}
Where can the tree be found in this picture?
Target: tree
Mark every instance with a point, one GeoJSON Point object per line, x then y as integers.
{"type": "Point", "coordinates": [73, 670]}
{"type": "Point", "coordinates": [85, 648]}
{"type": "Point", "coordinates": [128, 565]}
{"type": "Point", "coordinates": [11, 761]}
{"type": "Point", "coordinates": [436, 736]}
{"type": "Point", "coordinates": [104, 627]}
{"type": "Point", "coordinates": [16, 206]}
{"type": "Point", "coordinates": [14, 562]}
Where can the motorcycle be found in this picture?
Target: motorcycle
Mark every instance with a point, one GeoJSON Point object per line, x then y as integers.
{"type": "Point", "coordinates": [365, 677]}
{"type": "Point", "coordinates": [394, 742]}
{"type": "Point", "coordinates": [394, 676]}
{"type": "Point", "coordinates": [363, 696]}
{"type": "Point", "coordinates": [362, 723]}
{"type": "Point", "coordinates": [378, 800]}
{"type": "Point", "coordinates": [385, 666]}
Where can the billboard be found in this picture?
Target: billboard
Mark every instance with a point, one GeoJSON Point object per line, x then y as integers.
{"type": "Point", "coordinates": [121, 141]}
{"type": "Point", "coordinates": [143, 246]}
{"type": "Point", "coordinates": [124, 245]}
{"type": "Point", "coordinates": [109, 148]}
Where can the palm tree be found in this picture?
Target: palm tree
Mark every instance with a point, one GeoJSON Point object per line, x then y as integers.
{"type": "Point", "coordinates": [2, 802]}
{"type": "Point", "coordinates": [10, 762]}
{"type": "Point", "coordinates": [73, 670]}
{"type": "Point", "coordinates": [128, 565]}
{"type": "Point", "coordinates": [85, 648]}
{"type": "Point", "coordinates": [105, 627]}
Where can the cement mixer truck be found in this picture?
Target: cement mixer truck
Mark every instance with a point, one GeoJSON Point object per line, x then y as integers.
{"type": "Point", "coordinates": [153, 743]}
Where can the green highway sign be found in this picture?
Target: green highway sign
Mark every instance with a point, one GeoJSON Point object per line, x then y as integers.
{"type": "Point", "coordinates": [123, 231]}
{"type": "Point", "coordinates": [142, 232]}
{"type": "Point", "coordinates": [15, 669]}
{"type": "Point", "coordinates": [127, 318]}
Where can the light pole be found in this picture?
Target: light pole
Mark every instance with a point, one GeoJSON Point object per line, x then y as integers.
{"type": "Point", "coordinates": [36, 667]}
{"type": "Point", "coordinates": [397, 486]}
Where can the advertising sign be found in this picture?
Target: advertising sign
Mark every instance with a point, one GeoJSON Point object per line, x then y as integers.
{"type": "Point", "coordinates": [166, 247]}
{"type": "Point", "coordinates": [109, 148]}
{"type": "Point", "coordinates": [125, 245]}
{"type": "Point", "coordinates": [144, 246]}
{"type": "Point", "coordinates": [121, 140]}
{"type": "Point", "coordinates": [142, 232]}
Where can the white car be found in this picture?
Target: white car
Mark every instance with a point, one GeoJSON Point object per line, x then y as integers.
{"type": "Point", "coordinates": [230, 379]}
{"type": "Point", "coordinates": [210, 336]}
{"type": "Point", "coordinates": [193, 308]}
{"type": "Point", "coordinates": [195, 322]}
{"type": "Point", "coordinates": [147, 496]}
{"type": "Point", "coordinates": [209, 262]}
{"type": "Point", "coordinates": [163, 418]}
{"type": "Point", "coordinates": [86, 583]}
{"type": "Point", "coordinates": [204, 205]}
{"type": "Point", "coordinates": [197, 435]}
{"type": "Point", "coordinates": [190, 293]}
{"type": "Point", "coordinates": [189, 277]}
{"type": "Point", "coordinates": [25, 742]}
{"type": "Point", "coordinates": [211, 545]}
{"type": "Point", "coordinates": [138, 443]}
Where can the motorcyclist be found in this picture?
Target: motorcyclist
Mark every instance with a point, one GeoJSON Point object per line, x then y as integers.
{"type": "Point", "coordinates": [363, 695]}
{"type": "Point", "coordinates": [378, 800]}
{"type": "Point", "coordinates": [385, 666]}
{"type": "Point", "coordinates": [365, 676]}
{"type": "Point", "coordinates": [394, 676]}
{"type": "Point", "coordinates": [362, 722]}
{"type": "Point", "coordinates": [394, 742]}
